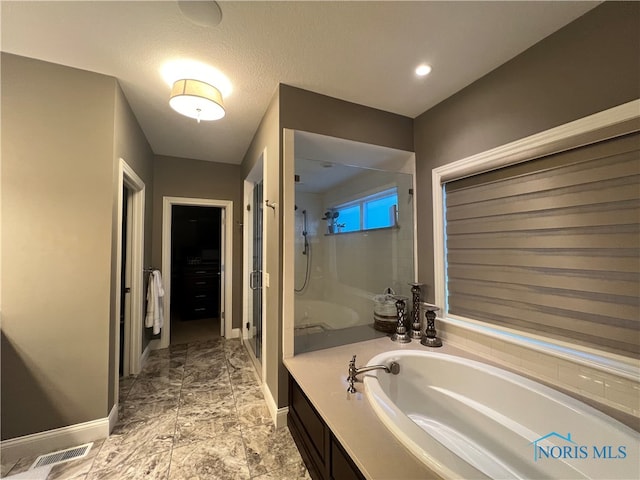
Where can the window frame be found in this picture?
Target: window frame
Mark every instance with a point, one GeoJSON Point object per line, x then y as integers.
{"type": "Point", "coordinates": [610, 123]}
{"type": "Point", "coordinates": [362, 201]}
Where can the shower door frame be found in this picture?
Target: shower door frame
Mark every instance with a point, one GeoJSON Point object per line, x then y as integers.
{"type": "Point", "coordinates": [288, 241]}
{"type": "Point", "coordinates": [257, 267]}
{"type": "Point", "coordinates": [255, 177]}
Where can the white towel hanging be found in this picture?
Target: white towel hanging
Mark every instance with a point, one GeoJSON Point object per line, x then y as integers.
{"type": "Point", "coordinates": [155, 292]}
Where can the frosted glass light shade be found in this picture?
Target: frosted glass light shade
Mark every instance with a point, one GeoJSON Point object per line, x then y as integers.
{"type": "Point", "coordinates": [196, 99]}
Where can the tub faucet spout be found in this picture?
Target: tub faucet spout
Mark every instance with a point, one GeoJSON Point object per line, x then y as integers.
{"type": "Point", "coordinates": [393, 367]}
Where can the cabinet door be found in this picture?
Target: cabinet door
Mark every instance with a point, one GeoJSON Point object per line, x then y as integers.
{"type": "Point", "coordinates": [309, 431]}
{"type": "Point", "coordinates": [342, 467]}
{"type": "Point", "coordinates": [322, 453]}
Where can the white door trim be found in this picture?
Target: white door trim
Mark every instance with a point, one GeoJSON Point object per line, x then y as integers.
{"type": "Point", "coordinates": [227, 205]}
{"type": "Point", "coordinates": [129, 178]}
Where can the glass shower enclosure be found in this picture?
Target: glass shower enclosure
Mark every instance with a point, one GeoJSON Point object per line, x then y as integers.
{"type": "Point", "coordinates": [353, 238]}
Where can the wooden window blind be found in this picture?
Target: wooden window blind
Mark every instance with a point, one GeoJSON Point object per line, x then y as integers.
{"type": "Point", "coordinates": [551, 246]}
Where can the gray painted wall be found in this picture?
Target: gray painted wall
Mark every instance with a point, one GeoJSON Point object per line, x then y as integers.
{"type": "Point", "coordinates": [57, 184]}
{"type": "Point", "coordinates": [311, 112]}
{"type": "Point", "coordinates": [181, 177]}
{"type": "Point", "coordinates": [590, 65]}
{"type": "Point", "coordinates": [267, 139]}
{"type": "Point", "coordinates": [63, 132]}
{"type": "Point", "coordinates": [132, 146]}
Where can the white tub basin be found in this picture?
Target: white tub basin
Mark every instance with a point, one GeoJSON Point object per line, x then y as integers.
{"type": "Point", "coordinates": [311, 315]}
{"type": "Point", "coordinates": [465, 419]}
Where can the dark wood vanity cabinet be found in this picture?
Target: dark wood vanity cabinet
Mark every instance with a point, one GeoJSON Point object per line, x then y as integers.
{"type": "Point", "coordinates": [322, 453]}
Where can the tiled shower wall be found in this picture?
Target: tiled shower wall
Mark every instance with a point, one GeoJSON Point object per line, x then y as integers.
{"type": "Point", "coordinates": [349, 269]}
{"type": "Point", "coordinates": [312, 204]}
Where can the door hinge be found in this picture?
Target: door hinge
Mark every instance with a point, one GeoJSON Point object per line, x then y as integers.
{"type": "Point", "coordinates": [248, 325]}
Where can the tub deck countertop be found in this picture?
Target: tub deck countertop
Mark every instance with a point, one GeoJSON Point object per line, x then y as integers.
{"type": "Point", "coordinates": [322, 375]}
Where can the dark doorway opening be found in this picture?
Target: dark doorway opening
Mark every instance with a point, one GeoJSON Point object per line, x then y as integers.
{"type": "Point", "coordinates": [195, 273]}
{"type": "Point", "coordinates": [124, 288]}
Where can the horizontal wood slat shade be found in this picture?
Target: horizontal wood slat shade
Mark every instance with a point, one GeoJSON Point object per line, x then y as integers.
{"type": "Point", "coordinates": [552, 246]}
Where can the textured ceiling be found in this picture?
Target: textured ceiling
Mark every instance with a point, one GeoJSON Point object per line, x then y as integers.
{"type": "Point", "coordinates": [363, 52]}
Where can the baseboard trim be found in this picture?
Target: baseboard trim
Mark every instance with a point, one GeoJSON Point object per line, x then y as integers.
{"type": "Point", "coordinates": [235, 333]}
{"type": "Point", "coordinates": [145, 355]}
{"type": "Point", "coordinates": [58, 438]}
{"type": "Point", "coordinates": [113, 418]}
{"type": "Point", "coordinates": [278, 415]}
{"type": "Point", "coordinates": [281, 417]}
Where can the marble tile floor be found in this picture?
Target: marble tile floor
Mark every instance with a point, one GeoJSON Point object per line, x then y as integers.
{"type": "Point", "coordinates": [196, 411]}
{"type": "Point", "coordinates": [189, 331]}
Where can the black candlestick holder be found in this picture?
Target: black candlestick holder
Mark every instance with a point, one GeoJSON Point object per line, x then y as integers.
{"type": "Point", "coordinates": [416, 291]}
{"type": "Point", "coordinates": [430, 339]}
{"type": "Point", "coordinates": [401, 335]}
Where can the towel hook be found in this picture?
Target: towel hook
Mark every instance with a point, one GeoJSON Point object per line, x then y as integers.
{"type": "Point", "coordinates": [270, 204]}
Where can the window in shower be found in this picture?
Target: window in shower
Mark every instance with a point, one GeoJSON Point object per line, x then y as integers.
{"type": "Point", "coordinates": [348, 218]}
{"type": "Point", "coordinates": [378, 210]}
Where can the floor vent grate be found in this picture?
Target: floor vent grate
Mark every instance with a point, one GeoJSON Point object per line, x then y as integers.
{"type": "Point", "coordinates": [62, 456]}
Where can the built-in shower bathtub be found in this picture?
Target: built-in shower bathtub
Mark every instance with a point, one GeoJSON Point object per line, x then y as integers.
{"type": "Point", "coordinates": [466, 419]}
{"type": "Point", "coordinates": [314, 316]}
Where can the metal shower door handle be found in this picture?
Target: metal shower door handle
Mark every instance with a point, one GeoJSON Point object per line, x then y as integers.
{"type": "Point", "coordinates": [255, 278]}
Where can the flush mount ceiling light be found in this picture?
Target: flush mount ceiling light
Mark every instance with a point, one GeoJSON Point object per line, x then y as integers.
{"type": "Point", "coordinates": [196, 99]}
{"type": "Point", "coordinates": [177, 69]}
{"type": "Point", "coordinates": [423, 70]}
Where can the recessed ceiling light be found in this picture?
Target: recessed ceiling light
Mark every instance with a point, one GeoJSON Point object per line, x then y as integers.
{"type": "Point", "coordinates": [423, 70]}
{"type": "Point", "coordinates": [205, 13]}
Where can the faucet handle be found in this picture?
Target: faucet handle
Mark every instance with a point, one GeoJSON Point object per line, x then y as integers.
{"type": "Point", "coordinates": [352, 375]}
